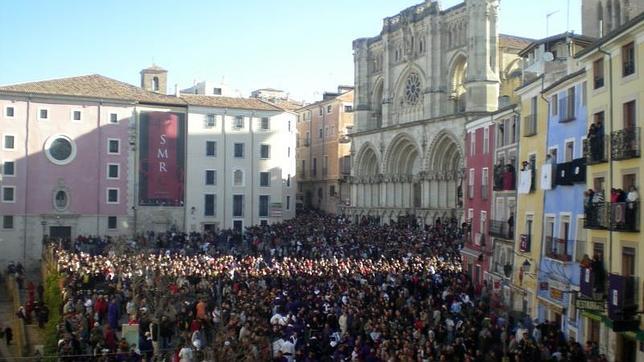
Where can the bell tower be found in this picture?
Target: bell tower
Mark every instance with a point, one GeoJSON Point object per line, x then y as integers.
{"type": "Point", "coordinates": [154, 79]}
{"type": "Point", "coordinates": [482, 79]}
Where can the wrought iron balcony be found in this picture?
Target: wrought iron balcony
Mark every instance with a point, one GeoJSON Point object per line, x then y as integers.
{"type": "Point", "coordinates": [625, 143]}
{"type": "Point", "coordinates": [596, 215]}
{"type": "Point", "coordinates": [624, 216]}
{"type": "Point", "coordinates": [557, 248]}
{"type": "Point", "coordinates": [616, 216]}
{"type": "Point", "coordinates": [596, 150]}
{"type": "Point", "coordinates": [530, 125]}
{"type": "Point", "coordinates": [505, 181]}
{"type": "Point", "coordinates": [501, 229]}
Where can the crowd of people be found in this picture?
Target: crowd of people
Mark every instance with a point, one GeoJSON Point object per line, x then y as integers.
{"type": "Point", "coordinates": [315, 288]}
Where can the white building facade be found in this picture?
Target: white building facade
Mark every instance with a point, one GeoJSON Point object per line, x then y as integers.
{"type": "Point", "coordinates": [240, 163]}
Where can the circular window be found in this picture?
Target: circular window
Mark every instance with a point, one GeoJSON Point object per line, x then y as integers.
{"type": "Point", "coordinates": [60, 200]}
{"type": "Point", "coordinates": [412, 88]}
{"type": "Point", "coordinates": [60, 149]}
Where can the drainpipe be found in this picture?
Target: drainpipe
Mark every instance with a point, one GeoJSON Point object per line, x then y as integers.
{"type": "Point", "coordinates": [24, 217]}
{"type": "Point", "coordinates": [98, 169]}
{"type": "Point", "coordinates": [610, 154]}
{"type": "Point", "coordinates": [225, 174]}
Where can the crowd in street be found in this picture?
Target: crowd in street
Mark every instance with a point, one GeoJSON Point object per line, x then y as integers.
{"type": "Point", "coordinates": [315, 288]}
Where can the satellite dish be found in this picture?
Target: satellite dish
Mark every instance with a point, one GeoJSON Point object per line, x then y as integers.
{"type": "Point", "coordinates": [548, 57]}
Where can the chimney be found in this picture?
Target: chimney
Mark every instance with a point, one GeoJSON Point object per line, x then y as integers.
{"type": "Point", "coordinates": [176, 90]}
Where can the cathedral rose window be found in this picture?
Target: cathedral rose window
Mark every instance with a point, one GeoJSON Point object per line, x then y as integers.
{"type": "Point", "coordinates": [412, 88]}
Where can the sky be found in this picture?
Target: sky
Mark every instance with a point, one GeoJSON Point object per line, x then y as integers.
{"type": "Point", "coordinates": [302, 47]}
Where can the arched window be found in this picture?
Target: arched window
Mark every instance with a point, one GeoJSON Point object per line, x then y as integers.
{"type": "Point", "coordinates": [155, 84]}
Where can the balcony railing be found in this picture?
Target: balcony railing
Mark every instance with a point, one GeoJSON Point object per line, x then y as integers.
{"type": "Point", "coordinates": [616, 216]}
{"type": "Point", "coordinates": [529, 125]}
{"type": "Point", "coordinates": [592, 281]}
{"type": "Point", "coordinates": [624, 216]}
{"type": "Point", "coordinates": [501, 229]}
{"type": "Point", "coordinates": [502, 269]}
{"type": "Point", "coordinates": [596, 150]}
{"type": "Point", "coordinates": [557, 248]}
{"type": "Point", "coordinates": [625, 143]}
{"type": "Point", "coordinates": [596, 215]}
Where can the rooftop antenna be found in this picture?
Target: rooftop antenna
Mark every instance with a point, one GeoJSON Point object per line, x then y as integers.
{"type": "Point", "coordinates": [568, 15]}
{"type": "Point", "coordinates": [548, 19]}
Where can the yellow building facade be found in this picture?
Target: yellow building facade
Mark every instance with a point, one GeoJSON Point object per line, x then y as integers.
{"type": "Point", "coordinates": [530, 197]}
{"type": "Point", "coordinates": [615, 97]}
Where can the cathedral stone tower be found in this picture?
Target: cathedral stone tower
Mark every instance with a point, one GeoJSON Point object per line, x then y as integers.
{"type": "Point", "coordinates": [154, 79]}
{"type": "Point", "coordinates": [482, 75]}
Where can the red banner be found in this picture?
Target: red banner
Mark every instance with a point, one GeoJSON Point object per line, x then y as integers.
{"type": "Point", "coordinates": [164, 179]}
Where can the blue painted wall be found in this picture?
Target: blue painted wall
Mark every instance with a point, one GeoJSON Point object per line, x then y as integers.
{"type": "Point", "coordinates": [564, 199]}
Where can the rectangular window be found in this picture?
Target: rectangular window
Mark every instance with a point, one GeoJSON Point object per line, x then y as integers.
{"type": "Point", "coordinates": [264, 179]}
{"type": "Point", "coordinates": [112, 196]}
{"type": "Point", "coordinates": [320, 133]}
{"type": "Point", "coordinates": [288, 180]}
{"type": "Point", "coordinates": [628, 59]}
{"type": "Point", "coordinates": [329, 108]}
{"type": "Point", "coordinates": [486, 140]}
{"type": "Point", "coordinates": [238, 205]}
{"type": "Point", "coordinates": [288, 151]}
{"type": "Point", "coordinates": [598, 73]}
{"type": "Point", "coordinates": [210, 120]}
{"type": "Point", "coordinates": [9, 112]}
{"type": "Point", "coordinates": [7, 221]}
{"type": "Point", "coordinates": [554, 103]}
{"type": "Point", "coordinates": [216, 91]}
{"type": "Point", "coordinates": [629, 114]}
{"type": "Point", "coordinates": [570, 104]}
{"type": "Point", "coordinates": [470, 184]}
{"type": "Point", "coordinates": [472, 143]}
{"type": "Point", "coordinates": [264, 151]}
{"type": "Point", "coordinates": [484, 183]}
{"type": "Point", "coordinates": [238, 225]}
{"type": "Point", "coordinates": [263, 205]}
{"type": "Point", "coordinates": [238, 178]}
{"type": "Point", "coordinates": [321, 110]}
{"type": "Point", "coordinates": [314, 170]}
{"type": "Point", "coordinates": [209, 205]}
{"type": "Point", "coordinates": [348, 108]}
{"type": "Point", "coordinates": [584, 93]}
{"type": "Point", "coordinates": [288, 202]}
{"type": "Point", "coordinates": [114, 118]}
{"type": "Point", "coordinates": [325, 165]}
{"type": "Point", "coordinates": [569, 151]}
{"type": "Point", "coordinates": [111, 222]}
{"type": "Point", "coordinates": [332, 190]}
{"type": "Point", "coordinates": [211, 177]}
{"type": "Point", "coordinates": [113, 171]}
{"type": "Point", "coordinates": [76, 115]}
{"type": "Point", "coordinates": [628, 261]}
{"type": "Point", "coordinates": [9, 168]}
{"type": "Point", "coordinates": [43, 113]}
{"type": "Point", "coordinates": [211, 148]}
{"type": "Point", "coordinates": [239, 122]}
{"type": "Point", "coordinates": [266, 124]}
{"type": "Point", "coordinates": [238, 150]}
{"type": "Point", "coordinates": [113, 146]}
{"type": "Point", "coordinates": [9, 142]}
{"type": "Point", "coordinates": [303, 170]}
{"type": "Point", "coordinates": [8, 194]}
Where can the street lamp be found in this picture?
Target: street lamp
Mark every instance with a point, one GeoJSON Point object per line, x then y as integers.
{"type": "Point", "coordinates": [526, 266]}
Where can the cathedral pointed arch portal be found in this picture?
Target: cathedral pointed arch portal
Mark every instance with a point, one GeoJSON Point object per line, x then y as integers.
{"type": "Point", "coordinates": [417, 83]}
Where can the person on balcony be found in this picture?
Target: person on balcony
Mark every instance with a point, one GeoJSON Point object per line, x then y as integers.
{"type": "Point", "coordinates": [589, 207]}
{"type": "Point", "coordinates": [632, 199]}
{"type": "Point", "coordinates": [499, 171]}
{"type": "Point", "coordinates": [508, 177]}
{"type": "Point", "coordinates": [597, 266]}
{"type": "Point", "coordinates": [511, 227]}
